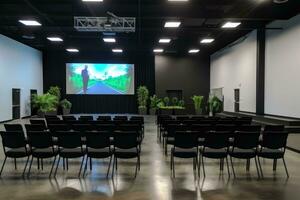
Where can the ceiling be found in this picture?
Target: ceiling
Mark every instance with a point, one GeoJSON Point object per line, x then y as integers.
{"type": "Point", "coordinates": [200, 18]}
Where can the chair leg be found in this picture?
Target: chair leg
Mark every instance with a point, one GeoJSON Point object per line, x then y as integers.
{"type": "Point", "coordinates": [91, 164]}
{"type": "Point", "coordinates": [109, 166]}
{"type": "Point", "coordinates": [259, 164]}
{"type": "Point", "coordinates": [56, 166]}
{"type": "Point", "coordinates": [227, 164]}
{"type": "Point", "coordinates": [42, 164]}
{"type": "Point", "coordinates": [53, 163]}
{"type": "Point", "coordinates": [274, 164]}
{"type": "Point", "coordinates": [113, 168]}
{"type": "Point", "coordinates": [85, 167]}
{"type": "Point", "coordinates": [203, 166]}
{"type": "Point", "coordinates": [139, 162]}
{"type": "Point", "coordinates": [25, 166]}
{"type": "Point", "coordinates": [15, 161]}
{"type": "Point", "coordinates": [3, 165]}
{"type": "Point", "coordinates": [28, 174]}
{"type": "Point", "coordinates": [286, 170]}
{"type": "Point", "coordinates": [67, 163]}
{"type": "Point", "coordinates": [232, 167]}
{"type": "Point", "coordinates": [258, 174]}
{"type": "Point", "coordinates": [64, 163]}
{"type": "Point", "coordinates": [199, 165]}
{"type": "Point", "coordinates": [82, 161]}
{"type": "Point", "coordinates": [173, 168]}
{"type": "Point", "coordinates": [248, 165]}
{"type": "Point", "coordinates": [136, 167]}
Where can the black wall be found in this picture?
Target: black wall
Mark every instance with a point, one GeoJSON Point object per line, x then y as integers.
{"type": "Point", "coordinates": [189, 73]}
{"type": "Point", "coordinates": [55, 74]}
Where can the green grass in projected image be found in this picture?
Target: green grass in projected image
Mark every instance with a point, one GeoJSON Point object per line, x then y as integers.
{"type": "Point", "coordinates": [121, 83]}
{"type": "Point", "coordinates": [76, 83]}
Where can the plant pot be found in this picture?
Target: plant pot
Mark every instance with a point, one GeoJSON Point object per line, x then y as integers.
{"type": "Point", "coordinates": [152, 111]}
{"type": "Point", "coordinates": [66, 111]}
{"type": "Point", "coordinates": [143, 111]}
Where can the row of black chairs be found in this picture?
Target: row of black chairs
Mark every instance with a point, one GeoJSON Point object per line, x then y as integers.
{"type": "Point", "coordinates": [91, 118]}
{"type": "Point", "coordinates": [71, 144]}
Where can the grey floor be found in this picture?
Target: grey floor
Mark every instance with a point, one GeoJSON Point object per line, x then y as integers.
{"type": "Point", "coordinates": [154, 180]}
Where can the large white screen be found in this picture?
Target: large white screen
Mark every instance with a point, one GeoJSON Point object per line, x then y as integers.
{"type": "Point", "coordinates": [94, 78]}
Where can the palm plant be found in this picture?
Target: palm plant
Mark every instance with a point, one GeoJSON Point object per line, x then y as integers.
{"type": "Point", "coordinates": [198, 101]}
{"type": "Point", "coordinates": [142, 95]}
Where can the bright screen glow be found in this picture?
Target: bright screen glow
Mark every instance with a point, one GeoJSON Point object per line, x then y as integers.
{"type": "Point", "coordinates": [90, 78]}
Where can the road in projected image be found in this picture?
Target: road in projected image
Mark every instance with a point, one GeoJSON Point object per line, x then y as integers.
{"type": "Point", "coordinates": [104, 79]}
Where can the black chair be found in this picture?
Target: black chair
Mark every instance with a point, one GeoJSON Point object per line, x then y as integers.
{"type": "Point", "coordinates": [86, 118]}
{"type": "Point", "coordinates": [70, 146]}
{"type": "Point", "coordinates": [215, 146]}
{"type": "Point", "coordinates": [168, 136]}
{"type": "Point", "coordinates": [137, 118]}
{"type": "Point", "coordinates": [42, 147]}
{"type": "Point", "coordinates": [120, 118]}
{"type": "Point", "coordinates": [69, 118]}
{"type": "Point", "coordinates": [56, 128]}
{"type": "Point", "coordinates": [274, 128]}
{"type": "Point", "coordinates": [273, 146]}
{"type": "Point", "coordinates": [14, 146]}
{"type": "Point", "coordinates": [249, 128]}
{"type": "Point", "coordinates": [35, 127]}
{"type": "Point", "coordinates": [104, 118]}
{"type": "Point", "coordinates": [14, 127]}
{"type": "Point", "coordinates": [98, 147]}
{"type": "Point", "coordinates": [126, 146]}
{"type": "Point", "coordinates": [185, 146]}
{"type": "Point", "coordinates": [245, 146]}
{"type": "Point", "coordinates": [182, 118]}
{"type": "Point", "coordinates": [38, 122]}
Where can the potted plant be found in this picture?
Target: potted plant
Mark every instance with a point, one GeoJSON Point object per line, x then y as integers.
{"type": "Point", "coordinates": [198, 101]}
{"type": "Point", "coordinates": [55, 90]}
{"type": "Point", "coordinates": [214, 105]}
{"type": "Point", "coordinates": [181, 103]}
{"type": "Point", "coordinates": [143, 95]}
{"type": "Point", "coordinates": [154, 101]}
{"type": "Point", "coordinates": [175, 101]}
{"type": "Point", "coordinates": [66, 106]}
{"type": "Point", "coordinates": [46, 104]}
{"type": "Point", "coordinates": [166, 101]}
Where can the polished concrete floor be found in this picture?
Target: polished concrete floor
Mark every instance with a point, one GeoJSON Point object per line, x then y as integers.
{"type": "Point", "coordinates": [154, 180]}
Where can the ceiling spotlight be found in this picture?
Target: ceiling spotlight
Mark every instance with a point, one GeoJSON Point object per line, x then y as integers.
{"type": "Point", "coordinates": [109, 40]}
{"type": "Point", "coordinates": [158, 50]}
{"type": "Point", "coordinates": [172, 24]}
{"type": "Point", "coordinates": [280, 1]}
{"type": "Point", "coordinates": [55, 39]}
{"type": "Point", "coordinates": [117, 50]}
{"type": "Point", "coordinates": [231, 24]}
{"type": "Point", "coordinates": [92, 0]}
{"type": "Point", "coordinates": [30, 22]}
{"type": "Point", "coordinates": [73, 50]}
{"type": "Point", "coordinates": [194, 50]}
{"type": "Point", "coordinates": [178, 0]}
{"type": "Point", "coordinates": [165, 40]}
{"type": "Point", "coordinates": [207, 40]}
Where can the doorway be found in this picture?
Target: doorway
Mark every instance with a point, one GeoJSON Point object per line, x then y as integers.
{"type": "Point", "coordinates": [16, 107]}
{"type": "Point", "coordinates": [236, 100]}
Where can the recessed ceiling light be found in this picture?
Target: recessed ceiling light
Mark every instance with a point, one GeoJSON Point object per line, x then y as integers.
{"type": "Point", "coordinates": [194, 50]}
{"type": "Point", "coordinates": [231, 24]}
{"type": "Point", "coordinates": [178, 0]}
{"type": "Point", "coordinates": [30, 22]}
{"type": "Point", "coordinates": [109, 40]}
{"type": "Point", "coordinates": [158, 50]}
{"type": "Point", "coordinates": [165, 40]}
{"type": "Point", "coordinates": [92, 0]}
{"type": "Point", "coordinates": [172, 24]}
{"type": "Point", "coordinates": [207, 40]}
{"type": "Point", "coordinates": [55, 39]}
{"type": "Point", "coordinates": [72, 50]}
{"type": "Point", "coordinates": [117, 50]}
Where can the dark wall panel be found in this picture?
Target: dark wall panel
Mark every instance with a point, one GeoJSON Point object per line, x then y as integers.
{"type": "Point", "coordinates": [55, 74]}
{"type": "Point", "coordinates": [191, 74]}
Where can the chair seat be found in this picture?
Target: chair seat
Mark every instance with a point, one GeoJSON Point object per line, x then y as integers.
{"type": "Point", "coordinates": [44, 153]}
{"type": "Point", "coordinates": [243, 153]}
{"type": "Point", "coordinates": [99, 153]}
{"type": "Point", "coordinates": [126, 153]}
{"type": "Point", "coordinates": [72, 153]}
{"type": "Point", "coordinates": [214, 153]}
{"type": "Point", "coordinates": [18, 153]}
{"type": "Point", "coordinates": [184, 153]}
{"type": "Point", "coordinates": [271, 153]}
{"type": "Point", "coordinates": [170, 140]}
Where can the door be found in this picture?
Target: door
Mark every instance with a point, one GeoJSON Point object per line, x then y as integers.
{"type": "Point", "coordinates": [16, 107]}
{"type": "Point", "coordinates": [33, 110]}
{"type": "Point", "coordinates": [236, 100]}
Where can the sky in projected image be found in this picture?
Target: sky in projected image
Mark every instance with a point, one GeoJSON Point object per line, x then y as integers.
{"type": "Point", "coordinates": [89, 78]}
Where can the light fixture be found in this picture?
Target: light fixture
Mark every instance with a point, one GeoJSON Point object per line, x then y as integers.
{"type": "Point", "coordinates": [207, 40]}
{"type": "Point", "coordinates": [92, 0]}
{"type": "Point", "coordinates": [164, 40]}
{"type": "Point", "coordinates": [194, 50]}
{"type": "Point", "coordinates": [72, 50]}
{"type": "Point", "coordinates": [117, 50]}
{"type": "Point", "coordinates": [30, 22]}
{"type": "Point", "coordinates": [231, 24]}
{"type": "Point", "coordinates": [173, 24]}
{"type": "Point", "coordinates": [55, 39]}
{"type": "Point", "coordinates": [178, 0]}
{"type": "Point", "coordinates": [158, 50]}
{"type": "Point", "coordinates": [109, 40]}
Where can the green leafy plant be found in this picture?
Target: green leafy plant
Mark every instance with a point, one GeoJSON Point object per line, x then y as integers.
{"type": "Point", "coordinates": [65, 104]}
{"type": "Point", "coordinates": [154, 100]}
{"type": "Point", "coordinates": [55, 90]}
{"type": "Point", "coordinates": [45, 103]}
{"type": "Point", "coordinates": [166, 101]}
{"type": "Point", "coordinates": [214, 104]}
{"type": "Point", "coordinates": [181, 103]}
{"type": "Point", "coordinates": [175, 101]}
{"type": "Point", "coordinates": [198, 101]}
{"type": "Point", "coordinates": [142, 95]}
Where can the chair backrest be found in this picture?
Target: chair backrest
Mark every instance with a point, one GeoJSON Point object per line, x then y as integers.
{"type": "Point", "coordinates": [52, 117]}
{"type": "Point", "coordinates": [189, 122]}
{"type": "Point", "coordinates": [97, 140]}
{"type": "Point", "coordinates": [243, 121]}
{"type": "Point", "coordinates": [40, 139]}
{"type": "Point", "coordinates": [69, 118]}
{"type": "Point", "coordinates": [197, 117]}
{"type": "Point", "coordinates": [14, 127]}
{"type": "Point", "coordinates": [13, 139]}
{"type": "Point", "coordinates": [225, 127]}
{"type": "Point", "coordinates": [217, 139]}
{"type": "Point", "coordinates": [246, 139]}
{"type": "Point", "coordinates": [125, 139]}
{"type": "Point", "coordinates": [86, 118]}
{"type": "Point", "coordinates": [104, 118]}
{"type": "Point", "coordinates": [82, 128]}
{"type": "Point", "coordinates": [249, 128]}
{"type": "Point", "coordinates": [38, 121]}
{"type": "Point", "coordinates": [161, 118]}
{"type": "Point", "coordinates": [137, 118]}
{"type": "Point", "coordinates": [55, 121]}
{"type": "Point", "coordinates": [274, 128]}
{"type": "Point", "coordinates": [105, 127]}
{"type": "Point", "coordinates": [274, 139]}
{"type": "Point", "coordinates": [172, 128]}
{"type": "Point", "coordinates": [120, 118]}
{"type": "Point", "coordinates": [55, 128]}
{"type": "Point", "coordinates": [186, 139]}
{"type": "Point", "coordinates": [202, 127]}
{"type": "Point", "coordinates": [35, 127]}
{"type": "Point", "coordinates": [182, 118]}
{"type": "Point", "coordinates": [69, 139]}
{"type": "Point", "coordinates": [129, 127]}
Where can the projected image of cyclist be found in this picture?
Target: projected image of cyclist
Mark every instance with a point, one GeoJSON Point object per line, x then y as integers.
{"type": "Point", "coordinates": [85, 79]}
